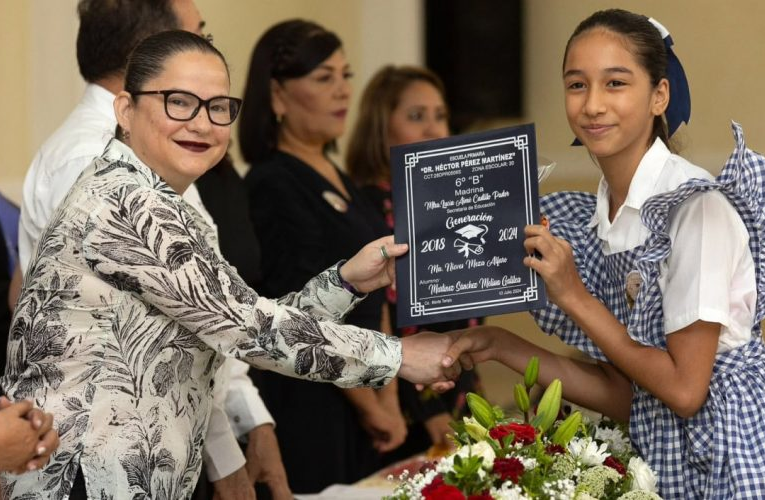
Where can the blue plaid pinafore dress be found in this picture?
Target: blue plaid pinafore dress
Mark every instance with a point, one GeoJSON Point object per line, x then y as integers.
{"type": "Point", "coordinates": [720, 451]}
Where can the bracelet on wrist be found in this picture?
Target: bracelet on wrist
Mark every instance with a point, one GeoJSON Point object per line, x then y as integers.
{"type": "Point", "coordinates": [346, 284]}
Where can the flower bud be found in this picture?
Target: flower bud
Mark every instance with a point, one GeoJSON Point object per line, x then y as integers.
{"type": "Point", "coordinates": [474, 429]}
{"type": "Point", "coordinates": [481, 410]}
{"type": "Point", "coordinates": [549, 405]}
{"type": "Point", "coordinates": [532, 372]}
{"type": "Point", "coordinates": [521, 397]}
{"type": "Point", "coordinates": [567, 429]}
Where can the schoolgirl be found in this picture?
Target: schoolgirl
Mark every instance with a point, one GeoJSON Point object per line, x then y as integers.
{"type": "Point", "coordinates": [659, 277]}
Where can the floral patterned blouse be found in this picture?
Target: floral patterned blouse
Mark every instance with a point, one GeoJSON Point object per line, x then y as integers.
{"type": "Point", "coordinates": [126, 313]}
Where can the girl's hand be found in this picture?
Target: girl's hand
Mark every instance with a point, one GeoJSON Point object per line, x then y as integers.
{"type": "Point", "coordinates": [471, 346]}
{"type": "Point", "coordinates": [373, 266]}
{"type": "Point", "coordinates": [554, 261]}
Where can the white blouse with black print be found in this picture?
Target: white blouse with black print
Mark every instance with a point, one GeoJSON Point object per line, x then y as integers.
{"type": "Point", "coordinates": [126, 312]}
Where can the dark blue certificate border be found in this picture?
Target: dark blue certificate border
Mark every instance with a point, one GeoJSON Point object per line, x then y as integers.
{"type": "Point", "coordinates": [415, 304]}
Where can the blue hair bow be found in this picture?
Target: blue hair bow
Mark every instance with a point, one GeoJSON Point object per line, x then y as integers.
{"type": "Point", "coordinates": [679, 108]}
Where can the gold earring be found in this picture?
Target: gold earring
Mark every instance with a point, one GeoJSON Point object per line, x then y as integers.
{"type": "Point", "coordinates": [279, 118]}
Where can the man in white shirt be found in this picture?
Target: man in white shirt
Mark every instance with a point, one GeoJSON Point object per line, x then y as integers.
{"type": "Point", "coordinates": [103, 44]}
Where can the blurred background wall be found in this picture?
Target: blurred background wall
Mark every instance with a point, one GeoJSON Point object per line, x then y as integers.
{"type": "Point", "coordinates": [719, 44]}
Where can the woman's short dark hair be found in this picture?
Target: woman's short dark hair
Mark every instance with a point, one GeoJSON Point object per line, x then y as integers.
{"type": "Point", "coordinates": [290, 49]}
{"type": "Point", "coordinates": [110, 29]}
{"type": "Point", "coordinates": [148, 58]}
{"type": "Point", "coordinates": [368, 158]}
{"type": "Point", "coordinates": [646, 45]}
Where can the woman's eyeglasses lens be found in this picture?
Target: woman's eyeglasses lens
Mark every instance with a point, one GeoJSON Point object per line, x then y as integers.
{"type": "Point", "coordinates": [184, 106]}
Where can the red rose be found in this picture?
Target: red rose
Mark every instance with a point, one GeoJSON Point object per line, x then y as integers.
{"type": "Point", "coordinates": [438, 490]}
{"type": "Point", "coordinates": [484, 495]}
{"type": "Point", "coordinates": [508, 468]}
{"type": "Point", "coordinates": [615, 464]}
{"type": "Point", "coordinates": [435, 483]}
{"type": "Point", "coordinates": [555, 449]}
{"type": "Point", "coordinates": [523, 433]}
{"type": "Point", "coordinates": [444, 492]}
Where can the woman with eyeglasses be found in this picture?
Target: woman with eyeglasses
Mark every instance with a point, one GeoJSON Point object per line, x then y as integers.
{"type": "Point", "coordinates": [127, 307]}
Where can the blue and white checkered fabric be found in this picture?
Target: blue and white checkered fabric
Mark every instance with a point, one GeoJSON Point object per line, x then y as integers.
{"type": "Point", "coordinates": [719, 452]}
{"type": "Point", "coordinates": [569, 214]}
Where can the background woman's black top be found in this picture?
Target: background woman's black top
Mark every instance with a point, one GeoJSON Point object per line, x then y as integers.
{"type": "Point", "coordinates": [301, 233]}
{"type": "Point", "coordinates": [224, 195]}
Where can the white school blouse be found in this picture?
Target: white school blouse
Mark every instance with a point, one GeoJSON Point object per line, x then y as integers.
{"type": "Point", "coordinates": [710, 273]}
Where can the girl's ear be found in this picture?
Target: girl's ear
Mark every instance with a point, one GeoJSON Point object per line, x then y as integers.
{"type": "Point", "coordinates": [278, 105]}
{"type": "Point", "coordinates": [660, 97]}
{"type": "Point", "coordinates": [123, 110]}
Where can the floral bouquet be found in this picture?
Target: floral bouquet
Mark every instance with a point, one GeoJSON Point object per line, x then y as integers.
{"type": "Point", "coordinates": [548, 457]}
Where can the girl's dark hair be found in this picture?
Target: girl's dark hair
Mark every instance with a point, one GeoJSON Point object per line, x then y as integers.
{"type": "Point", "coordinates": [368, 158]}
{"type": "Point", "coordinates": [646, 44]}
{"type": "Point", "coordinates": [290, 49]}
{"type": "Point", "coordinates": [148, 58]}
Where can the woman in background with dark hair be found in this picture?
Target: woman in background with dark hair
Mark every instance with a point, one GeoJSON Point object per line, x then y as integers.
{"type": "Point", "coordinates": [308, 213]}
{"type": "Point", "coordinates": [402, 105]}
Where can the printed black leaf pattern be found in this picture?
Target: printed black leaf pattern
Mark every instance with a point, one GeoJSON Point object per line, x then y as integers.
{"type": "Point", "coordinates": [162, 379]}
{"type": "Point", "coordinates": [329, 367]}
{"type": "Point", "coordinates": [163, 213]}
{"type": "Point", "coordinates": [304, 361]}
{"type": "Point", "coordinates": [178, 253]}
{"type": "Point", "coordinates": [113, 166]}
{"type": "Point", "coordinates": [123, 281]}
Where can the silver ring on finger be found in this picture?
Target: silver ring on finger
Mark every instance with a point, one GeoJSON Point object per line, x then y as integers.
{"type": "Point", "coordinates": [384, 253]}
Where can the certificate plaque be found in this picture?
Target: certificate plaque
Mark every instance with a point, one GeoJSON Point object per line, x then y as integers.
{"type": "Point", "coordinates": [462, 203]}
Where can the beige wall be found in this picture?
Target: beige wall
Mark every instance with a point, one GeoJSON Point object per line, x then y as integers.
{"type": "Point", "coordinates": [13, 78]}
{"type": "Point", "coordinates": [40, 83]}
{"type": "Point", "coordinates": [718, 42]}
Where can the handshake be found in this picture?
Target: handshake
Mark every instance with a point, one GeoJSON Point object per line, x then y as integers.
{"type": "Point", "coordinates": [437, 359]}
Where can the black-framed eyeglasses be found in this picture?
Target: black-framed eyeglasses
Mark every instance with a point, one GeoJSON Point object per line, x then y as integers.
{"type": "Point", "coordinates": [183, 106]}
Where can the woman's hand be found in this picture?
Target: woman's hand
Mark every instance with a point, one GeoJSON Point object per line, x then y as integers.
{"type": "Point", "coordinates": [555, 265]}
{"type": "Point", "coordinates": [370, 269]}
{"type": "Point", "coordinates": [27, 437]}
{"type": "Point", "coordinates": [423, 360]}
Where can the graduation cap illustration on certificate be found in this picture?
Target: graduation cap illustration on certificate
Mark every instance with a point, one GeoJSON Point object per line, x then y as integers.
{"type": "Point", "coordinates": [470, 232]}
